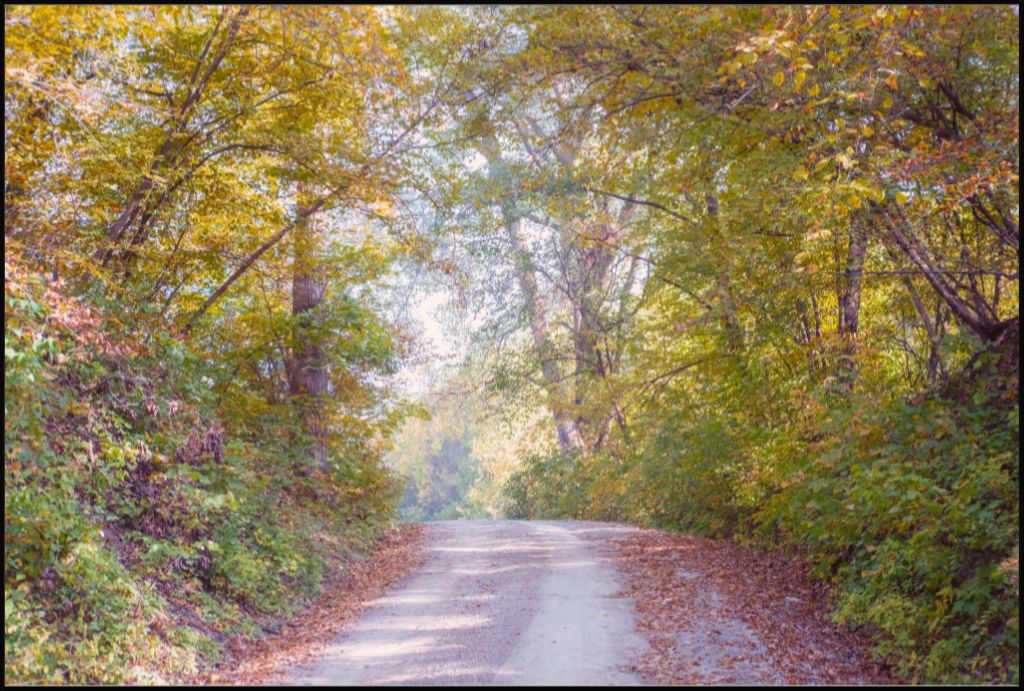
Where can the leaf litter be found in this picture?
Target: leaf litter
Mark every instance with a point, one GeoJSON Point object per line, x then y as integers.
{"type": "Point", "coordinates": [717, 613]}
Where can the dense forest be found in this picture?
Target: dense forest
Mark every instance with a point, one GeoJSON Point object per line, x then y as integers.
{"type": "Point", "coordinates": [744, 272]}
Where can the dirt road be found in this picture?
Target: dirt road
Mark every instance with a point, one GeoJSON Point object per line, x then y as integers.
{"type": "Point", "coordinates": [497, 602]}
{"type": "Point", "coordinates": [573, 603]}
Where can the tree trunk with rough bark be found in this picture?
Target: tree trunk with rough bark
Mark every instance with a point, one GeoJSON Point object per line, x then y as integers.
{"type": "Point", "coordinates": [849, 305]}
{"type": "Point", "coordinates": [309, 374]}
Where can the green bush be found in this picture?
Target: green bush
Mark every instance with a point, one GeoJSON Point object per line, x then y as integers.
{"type": "Point", "coordinates": [85, 620]}
{"type": "Point", "coordinates": [911, 509]}
{"type": "Point", "coordinates": [548, 487]}
{"type": "Point", "coordinates": [914, 508]}
{"type": "Point", "coordinates": [121, 478]}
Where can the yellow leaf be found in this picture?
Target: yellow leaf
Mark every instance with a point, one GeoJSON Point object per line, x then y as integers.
{"type": "Point", "coordinates": [800, 173]}
{"type": "Point", "coordinates": [901, 197]}
{"type": "Point", "coordinates": [780, 77]}
{"type": "Point", "coordinates": [800, 78]}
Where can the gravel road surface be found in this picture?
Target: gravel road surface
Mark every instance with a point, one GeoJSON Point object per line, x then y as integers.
{"type": "Point", "coordinates": [497, 602]}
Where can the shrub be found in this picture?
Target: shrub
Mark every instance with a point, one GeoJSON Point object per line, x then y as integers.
{"type": "Point", "coordinates": [914, 508]}
{"type": "Point", "coordinates": [124, 475]}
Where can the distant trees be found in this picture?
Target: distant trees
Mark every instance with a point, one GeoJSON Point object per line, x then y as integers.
{"type": "Point", "coordinates": [440, 492]}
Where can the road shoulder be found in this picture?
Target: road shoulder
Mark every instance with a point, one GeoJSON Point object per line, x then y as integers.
{"type": "Point", "coordinates": [717, 613]}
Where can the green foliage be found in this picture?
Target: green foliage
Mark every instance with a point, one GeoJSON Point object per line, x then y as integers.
{"type": "Point", "coordinates": [73, 613]}
{"type": "Point", "coordinates": [441, 494]}
{"type": "Point", "coordinates": [726, 268]}
{"type": "Point", "coordinates": [548, 487]}
{"type": "Point", "coordinates": [85, 620]}
{"type": "Point", "coordinates": [915, 508]}
{"type": "Point", "coordinates": [119, 481]}
{"type": "Point", "coordinates": [450, 452]}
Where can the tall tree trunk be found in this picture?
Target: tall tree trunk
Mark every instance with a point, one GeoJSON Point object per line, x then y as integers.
{"type": "Point", "coordinates": [723, 284]}
{"type": "Point", "coordinates": [557, 398]}
{"type": "Point", "coordinates": [568, 434]}
{"type": "Point", "coordinates": [849, 305]}
{"type": "Point", "coordinates": [592, 290]}
{"type": "Point", "coordinates": [309, 375]}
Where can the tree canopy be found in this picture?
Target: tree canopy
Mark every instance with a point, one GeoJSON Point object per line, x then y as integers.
{"type": "Point", "coordinates": [747, 271]}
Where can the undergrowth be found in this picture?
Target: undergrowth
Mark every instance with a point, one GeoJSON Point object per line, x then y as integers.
{"type": "Point", "coordinates": [146, 523]}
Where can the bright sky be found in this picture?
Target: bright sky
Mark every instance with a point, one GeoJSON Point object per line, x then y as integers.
{"type": "Point", "coordinates": [439, 348]}
{"type": "Point", "coordinates": [426, 313]}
